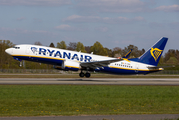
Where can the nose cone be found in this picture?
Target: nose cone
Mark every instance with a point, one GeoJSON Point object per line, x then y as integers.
{"type": "Point", "coordinates": [9, 51]}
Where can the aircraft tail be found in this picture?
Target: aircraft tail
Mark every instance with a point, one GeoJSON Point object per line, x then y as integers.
{"type": "Point", "coordinates": [152, 56]}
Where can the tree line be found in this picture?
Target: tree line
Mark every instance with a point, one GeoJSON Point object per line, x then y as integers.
{"type": "Point", "coordinates": [98, 49]}
{"type": "Point", "coordinates": [6, 61]}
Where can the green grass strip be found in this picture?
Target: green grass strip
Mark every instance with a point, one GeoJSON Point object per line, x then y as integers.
{"type": "Point", "coordinates": [43, 100]}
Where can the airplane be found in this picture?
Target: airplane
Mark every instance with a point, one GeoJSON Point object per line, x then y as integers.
{"type": "Point", "coordinates": [86, 63]}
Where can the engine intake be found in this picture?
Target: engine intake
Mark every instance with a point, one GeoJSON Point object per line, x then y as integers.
{"type": "Point", "coordinates": [68, 65]}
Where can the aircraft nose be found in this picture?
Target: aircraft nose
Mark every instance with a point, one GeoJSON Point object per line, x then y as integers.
{"type": "Point", "coordinates": [8, 51]}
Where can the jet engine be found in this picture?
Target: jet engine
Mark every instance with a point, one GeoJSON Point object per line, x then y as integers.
{"type": "Point", "coordinates": [68, 65]}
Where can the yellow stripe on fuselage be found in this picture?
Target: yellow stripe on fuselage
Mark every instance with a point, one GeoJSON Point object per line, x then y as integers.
{"type": "Point", "coordinates": [72, 67]}
{"type": "Point", "coordinates": [135, 69]}
{"type": "Point", "coordinates": [39, 57]}
{"type": "Point", "coordinates": [44, 57]}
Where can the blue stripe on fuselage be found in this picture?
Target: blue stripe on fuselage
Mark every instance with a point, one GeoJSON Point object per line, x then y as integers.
{"type": "Point", "coordinates": [47, 61]}
{"type": "Point", "coordinates": [41, 60]}
{"type": "Point", "coordinates": [123, 71]}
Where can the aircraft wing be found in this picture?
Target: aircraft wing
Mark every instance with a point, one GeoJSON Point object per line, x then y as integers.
{"type": "Point", "coordinates": [99, 64]}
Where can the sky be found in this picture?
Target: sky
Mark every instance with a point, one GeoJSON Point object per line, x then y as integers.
{"type": "Point", "coordinates": [114, 23]}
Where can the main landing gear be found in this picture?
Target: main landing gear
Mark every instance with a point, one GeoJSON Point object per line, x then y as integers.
{"type": "Point", "coordinates": [82, 74]}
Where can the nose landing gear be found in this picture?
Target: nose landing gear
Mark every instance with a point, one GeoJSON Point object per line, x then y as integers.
{"type": "Point", "coordinates": [82, 74]}
{"type": "Point", "coordinates": [20, 64]}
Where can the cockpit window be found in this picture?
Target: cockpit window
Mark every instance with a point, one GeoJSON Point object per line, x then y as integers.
{"type": "Point", "coordinates": [16, 47]}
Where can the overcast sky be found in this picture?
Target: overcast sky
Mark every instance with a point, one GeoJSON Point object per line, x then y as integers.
{"type": "Point", "coordinates": [114, 23]}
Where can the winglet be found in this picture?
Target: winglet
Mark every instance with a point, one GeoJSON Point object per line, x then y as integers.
{"type": "Point", "coordinates": [127, 55]}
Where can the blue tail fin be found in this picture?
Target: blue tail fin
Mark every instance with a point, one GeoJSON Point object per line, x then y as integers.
{"type": "Point", "coordinates": [152, 56]}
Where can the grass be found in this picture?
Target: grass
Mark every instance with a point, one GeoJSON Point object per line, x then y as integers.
{"type": "Point", "coordinates": [41, 100]}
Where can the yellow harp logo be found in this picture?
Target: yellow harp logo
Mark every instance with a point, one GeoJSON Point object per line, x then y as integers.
{"type": "Point", "coordinates": [155, 52]}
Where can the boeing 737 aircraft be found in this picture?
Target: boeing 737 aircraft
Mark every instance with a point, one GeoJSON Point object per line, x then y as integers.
{"type": "Point", "coordinates": [86, 63]}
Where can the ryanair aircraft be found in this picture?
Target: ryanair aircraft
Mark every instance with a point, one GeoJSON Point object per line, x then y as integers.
{"type": "Point", "coordinates": [86, 63]}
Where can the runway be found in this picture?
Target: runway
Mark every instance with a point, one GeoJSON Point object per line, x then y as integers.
{"type": "Point", "coordinates": [90, 81]}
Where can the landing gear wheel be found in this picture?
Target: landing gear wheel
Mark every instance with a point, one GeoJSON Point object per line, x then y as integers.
{"type": "Point", "coordinates": [87, 75]}
{"type": "Point", "coordinates": [81, 74]}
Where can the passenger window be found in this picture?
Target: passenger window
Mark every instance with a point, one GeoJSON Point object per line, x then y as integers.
{"type": "Point", "coordinates": [16, 47]}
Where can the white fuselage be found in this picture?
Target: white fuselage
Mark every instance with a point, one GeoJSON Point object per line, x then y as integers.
{"type": "Point", "coordinates": [72, 59]}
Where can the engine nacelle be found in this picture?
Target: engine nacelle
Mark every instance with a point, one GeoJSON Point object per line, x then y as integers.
{"type": "Point", "coordinates": [68, 65]}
